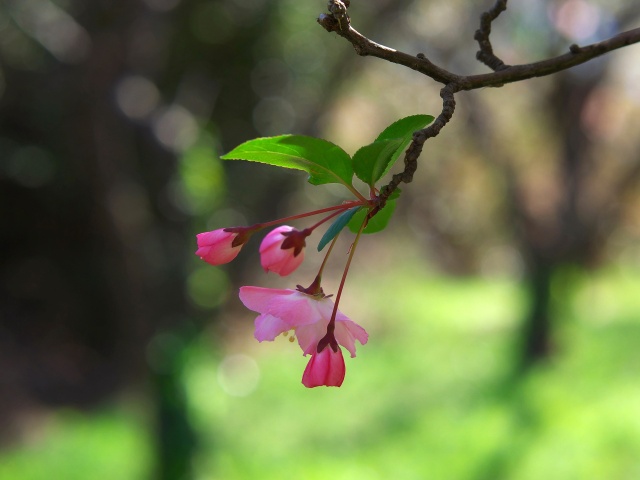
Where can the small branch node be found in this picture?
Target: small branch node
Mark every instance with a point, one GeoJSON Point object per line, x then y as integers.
{"type": "Point", "coordinates": [327, 22]}
{"type": "Point", "coordinates": [338, 9]}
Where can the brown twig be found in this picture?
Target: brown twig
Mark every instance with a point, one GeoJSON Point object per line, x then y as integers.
{"type": "Point", "coordinates": [415, 147]}
{"type": "Point", "coordinates": [576, 56]}
{"type": "Point", "coordinates": [485, 54]}
{"type": "Point", "coordinates": [365, 47]}
{"type": "Point", "coordinates": [509, 74]}
{"type": "Point", "coordinates": [338, 21]}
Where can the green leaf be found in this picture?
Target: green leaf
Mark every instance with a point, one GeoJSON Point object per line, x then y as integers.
{"type": "Point", "coordinates": [337, 226]}
{"type": "Point", "coordinates": [404, 129]}
{"type": "Point", "coordinates": [377, 223]}
{"type": "Point", "coordinates": [371, 161]}
{"type": "Point", "coordinates": [322, 160]}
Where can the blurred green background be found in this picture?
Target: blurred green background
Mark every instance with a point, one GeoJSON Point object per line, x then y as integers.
{"type": "Point", "coordinates": [502, 303]}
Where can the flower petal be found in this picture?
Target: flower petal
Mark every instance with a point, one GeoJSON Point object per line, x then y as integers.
{"type": "Point", "coordinates": [274, 238]}
{"type": "Point", "coordinates": [289, 264]}
{"type": "Point", "coordinates": [269, 327]}
{"type": "Point", "coordinates": [275, 258]}
{"type": "Point", "coordinates": [216, 247]}
{"type": "Point", "coordinates": [258, 299]}
{"type": "Point", "coordinates": [347, 332]}
{"type": "Point", "coordinates": [213, 237]}
{"type": "Point", "coordinates": [294, 308]}
{"type": "Point", "coordinates": [326, 368]}
{"type": "Point", "coordinates": [310, 335]}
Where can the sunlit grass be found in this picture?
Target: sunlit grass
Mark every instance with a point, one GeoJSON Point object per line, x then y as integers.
{"type": "Point", "coordinates": [432, 395]}
{"type": "Point", "coordinates": [74, 446]}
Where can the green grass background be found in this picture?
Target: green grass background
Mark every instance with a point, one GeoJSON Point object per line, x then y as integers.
{"type": "Point", "coordinates": [432, 396]}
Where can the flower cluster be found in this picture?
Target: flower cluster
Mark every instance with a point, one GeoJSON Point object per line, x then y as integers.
{"type": "Point", "coordinates": [321, 329]}
{"type": "Point", "coordinates": [307, 314]}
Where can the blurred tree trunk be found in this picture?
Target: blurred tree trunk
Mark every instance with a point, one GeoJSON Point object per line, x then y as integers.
{"type": "Point", "coordinates": [537, 323]}
{"type": "Point", "coordinates": [572, 229]}
{"type": "Point", "coordinates": [575, 234]}
{"type": "Point", "coordinates": [93, 262]}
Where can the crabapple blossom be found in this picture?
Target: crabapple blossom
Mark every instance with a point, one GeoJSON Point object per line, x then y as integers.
{"type": "Point", "coordinates": [217, 247]}
{"type": "Point", "coordinates": [325, 368]}
{"type": "Point", "coordinates": [282, 250]}
{"type": "Point", "coordinates": [282, 310]}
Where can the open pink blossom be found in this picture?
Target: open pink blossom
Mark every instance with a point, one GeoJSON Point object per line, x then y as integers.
{"type": "Point", "coordinates": [282, 250]}
{"type": "Point", "coordinates": [216, 247]}
{"type": "Point", "coordinates": [324, 369]}
{"type": "Point", "coordinates": [308, 315]}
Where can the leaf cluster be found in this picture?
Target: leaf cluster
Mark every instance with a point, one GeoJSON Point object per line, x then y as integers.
{"type": "Point", "coordinates": [326, 162]}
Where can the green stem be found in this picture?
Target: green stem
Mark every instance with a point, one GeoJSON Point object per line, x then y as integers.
{"type": "Point", "coordinates": [324, 262]}
{"type": "Point", "coordinates": [356, 193]}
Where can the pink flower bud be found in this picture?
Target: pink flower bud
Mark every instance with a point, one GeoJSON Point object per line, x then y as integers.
{"type": "Point", "coordinates": [282, 250]}
{"type": "Point", "coordinates": [324, 369]}
{"type": "Point", "coordinates": [216, 247]}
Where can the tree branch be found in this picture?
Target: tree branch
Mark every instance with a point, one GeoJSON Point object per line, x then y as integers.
{"type": "Point", "coordinates": [338, 21]}
{"type": "Point", "coordinates": [505, 74]}
{"type": "Point", "coordinates": [485, 54]}
{"type": "Point", "coordinates": [576, 56]}
{"type": "Point", "coordinates": [415, 147]}
{"type": "Point", "coordinates": [364, 47]}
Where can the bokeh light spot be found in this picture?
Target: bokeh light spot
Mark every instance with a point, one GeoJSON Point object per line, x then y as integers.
{"type": "Point", "coordinates": [136, 96]}
{"type": "Point", "coordinates": [175, 128]}
{"type": "Point", "coordinates": [208, 287]}
{"type": "Point", "coordinates": [238, 375]}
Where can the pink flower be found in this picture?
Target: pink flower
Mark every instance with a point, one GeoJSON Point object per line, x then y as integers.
{"type": "Point", "coordinates": [308, 315]}
{"type": "Point", "coordinates": [324, 369]}
{"type": "Point", "coordinates": [282, 250]}
{"type": "Point", "coordinates": [217, 247]}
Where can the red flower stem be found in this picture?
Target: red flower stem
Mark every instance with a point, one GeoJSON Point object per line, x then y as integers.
{"type": "Point", "coordinates": [315, 288]}
{"type": "Point", "coordinates": [312, 228]}
{"type": "Point", "coordinates": [332, 323]}
{"type": "Point", "coordinates": [342, 207]}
